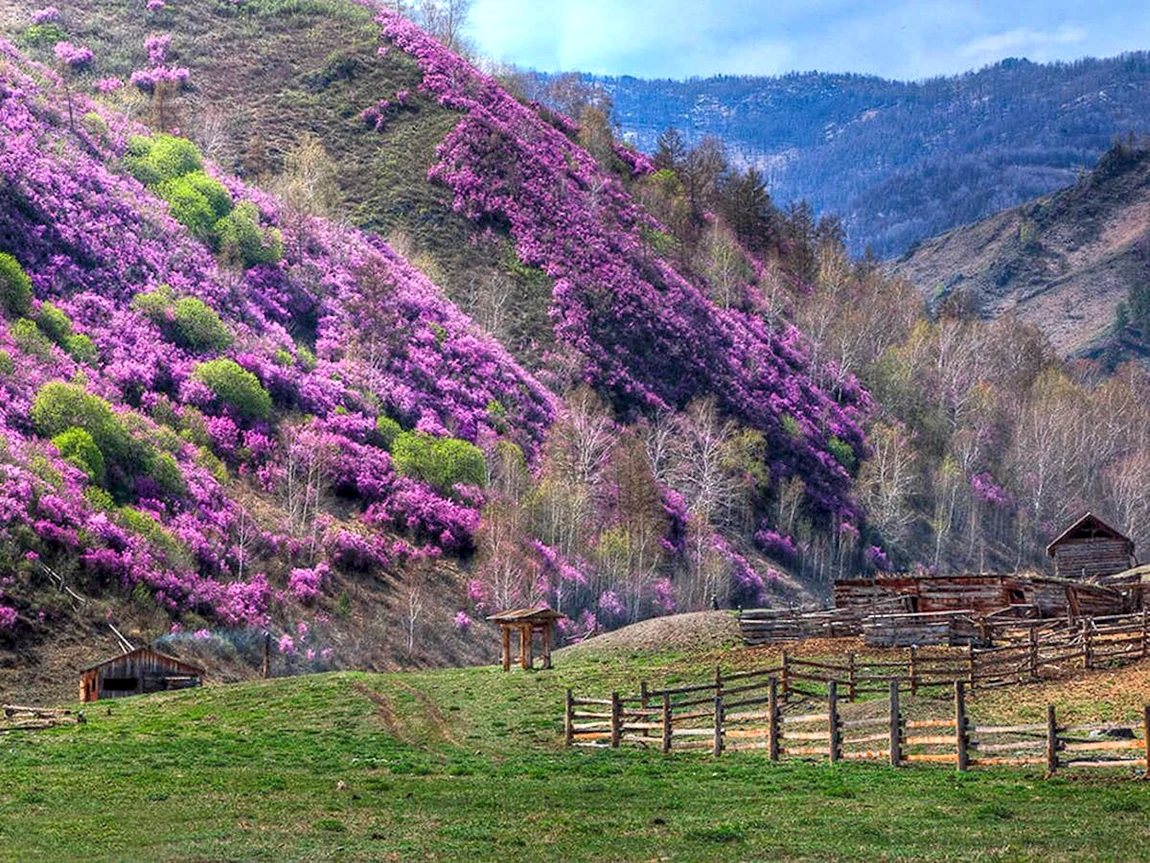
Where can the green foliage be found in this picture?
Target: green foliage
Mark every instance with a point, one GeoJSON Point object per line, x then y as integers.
{"type": "Point", "coordinates": [78, 448]}
{"type": "Point", "coordinates": [151, 160]}
{"type": "Point", "coordinates": [790, 425]}
{"type": "Point", "coordinates": [29, 339]}
{"type": "Point", "coordinates": [99, 499]}
{"type": "Point", "coordinates": [54, 323]}
{"type": "Point", "coordinates": [244, 242]}
{"type": "Point", "coordinates": [7, 366]}
{"type": "Point", "coordinates": [154, 305]}
{"type": "Point", "coordinates": [95, 125]}
{"type": "Point", "coordinates": [155, 533]}
{"type": "Point", "coordinates": [43, 35]}
{"type": "Point", "coordinates": [842, 452]}
{"type": "Point", "coordinates": [284, 359]}
{"type": "Point", "coordinates": [167, 474]}
{"type": "Point", "coordinates": [388, 430]}
{"type": "Point", "coordinates": [307, 360]}
{"type": "Point", "coordinates": [440, 462]}
{"type": "Point", "coordinates": [198, 203]}
{"type": "Point", "coordinates": [81, 348]}
{"type": "Point", "coordinates": [61, 406]}
{"type": "Point", "coordinates": [198, 327]}
{"type": "Point", "coordinates": [236, 387]}
{"type": "Point", "coordinates": [15, 287]}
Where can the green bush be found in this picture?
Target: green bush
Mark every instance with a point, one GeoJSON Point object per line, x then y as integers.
{"type": "Point", "coordinates": [440, 462]}
{"type": "Point", "coordinates": [43, 35]}
{"type": "Point", "coordinates": [198, 327]}
{"type": "Point", "coordinates": [95, 125]}
{"type": "Point", "coordinates": [7, 366]}
{"type": "Point", "coordinates": [165, 470]}
{"type": "Point", "coordinates": [243, 242]}
{"type": "Point", "coordinates": [235, 386]}
{"type": "Point", "coordinates": [197, 202]}
{"type": "Point", "coordinates": [155, 533]}
{"type": "Point", "coordinates": [283, 359]}
{"type": "Point", "coordinates": [154, 305]}
{"type": "Point", "coordinates": [29, 339]}
{"type": "Point", "coordinates": [388, 430]}
{"type": "Point", "coordinates": [54, 323]}
{"type": "Point", "coordinates": [82, 349]}
{"type": "Point", "coordinates": [99, 499]}
{"type": "Point", "coordinates": [78, 448]}
{"type": "Point", "coordinates": [307, 360]}
{"type": "Point", "coordinates": [842, 452]}
{"type": "Point", "coordinates": [59, 407]}
{"type": "Point", "coordinates": [15, 287]}
{"type": "Point", "coordinates": [151, 160]}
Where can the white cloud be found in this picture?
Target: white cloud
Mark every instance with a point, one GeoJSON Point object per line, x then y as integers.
{"type": "Point", "coordinates": [1021, 40]}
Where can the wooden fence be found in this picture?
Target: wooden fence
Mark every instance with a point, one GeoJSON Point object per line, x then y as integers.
{"type": "Point", "coordinates": [750, 713]}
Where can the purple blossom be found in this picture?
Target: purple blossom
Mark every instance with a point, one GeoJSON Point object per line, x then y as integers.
{"type": "Point", "coordinates": [463, 621]}
{"type": "Point", "coordinates": [877, 558]}
{"type": "Point", "coordinates": [287, 645]}
{"type": "Point", "coordinates": [73, 56]}
{"type": "Point", "coordinates": [8, 617]}
{"type": "Point", "coordinates": [107, 85]}
{"type": "Point", "coordinates": [47, 15]}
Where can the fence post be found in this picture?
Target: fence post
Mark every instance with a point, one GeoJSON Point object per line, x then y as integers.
{"type": "Point", "coordinates": [895, 726]}
{"type": "Point", "coordinates": [569, 720]}
{"type": "Point", "coordinates": [1033, 653]}
{"type": "Point", "coordinates": [913, 670]}
{"type": "Point", "coordinates": [718, 725]}
{"type": "Point", "coordinates": [786, 676]}
{"type": "Point", "coordinates": [851, 679]}
{"type": "Point", "coordinates": [1087, 645]}
{"type": "Point", "coordinates": [960, 737]}
{"type": "Point", "coordinates": [970, 664]}
{"type": "Point", "coordinates": [645, 703]}
{"type": "Point", "coordinates": [718, 682]}
{"type": "Point", "coordinates": [666, 723]}
{"type": "Point", "coordinates": [616, 720]}
{"type": "Point", "coordinates": [1144, 632]}
{"type": "Point", "coordinates": [1051, 741]}
{"type": "Point", "coordinates": [833, 719]}
{"type": "Point", "coordinates": [773, 718]}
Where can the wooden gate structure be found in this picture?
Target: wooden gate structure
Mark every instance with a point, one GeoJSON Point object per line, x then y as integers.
{"type": "Point", "coordinates": [526, 621]}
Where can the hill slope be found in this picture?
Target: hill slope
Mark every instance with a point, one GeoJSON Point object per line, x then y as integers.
{"type": "Point", "coordinates": [1065, 262]}
{"type": "Point", "coordinates": [902, 161]}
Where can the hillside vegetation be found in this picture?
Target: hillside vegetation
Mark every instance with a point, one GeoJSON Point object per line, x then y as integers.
{"type": "Point", "coordinates": [1073, 263]}
{"type": "Point", "coordinates": [468, 763]}
{"type": "Point", "coordinates": [902, 161]}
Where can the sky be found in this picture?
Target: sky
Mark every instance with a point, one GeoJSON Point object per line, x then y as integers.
{"type": "Point", "coordinates": [903, 39]}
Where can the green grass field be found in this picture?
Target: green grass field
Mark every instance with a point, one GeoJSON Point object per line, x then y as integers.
{"type": "Point", "coordinates": [469, 764]}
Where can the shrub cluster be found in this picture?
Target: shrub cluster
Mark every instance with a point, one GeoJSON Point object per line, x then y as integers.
{"type": "Point", "coordinates": [235, 387]}
{"type": "Point", "coordinates": [441, 462]}
{"type": "Point", "coordinates": [189, 322]}
{"type": "Point", "coordinates": [15, 287]}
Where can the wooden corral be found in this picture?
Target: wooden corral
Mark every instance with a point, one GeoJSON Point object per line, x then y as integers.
{"type": "Point", "coordinates": [1026, 595]}
{"type": "Point", "coordinates": [137, 672]}
{"type": "Point", "coordinates": [526, 621]}
{"type": "Point", "coordinates": [1090, 547]}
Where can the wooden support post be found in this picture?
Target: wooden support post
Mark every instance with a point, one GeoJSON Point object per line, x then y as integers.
{"type": "Point", "coordinates": [718, 682]}
{"type": "Point", "coordinates": [525, 658]}
{"type": "Point", "coordinates": [1087, 643]}
{"type": "Point", "coordinates": [1051, 741]}
{"type": "Point", "coordinates": [267, 663]}
{"type": "Point", "coordinates": [505, 654]}
{"type": "Point", "coordinates": [913, 670]}
{"type": "Point", "coordinates": [985, 633]}
{"type": "Point", "coordinates": [569, 720]}
{"type": "Point", "coordinates": [1033, 653]}
{"type": "Point", "coordinates": [851, 679]}
{"type": "Point", "coordinates": [833, 721]}
{"type": "Point", "coordinates": [786, 676]}
{"type": "Point", "coordinates": [773, 718]}
{"type": "Point", "coordinates": [666, 723]}
{"type": "Point", "coordinates": [1145, 632]}
{"type": "Point", "coordinates": [545, 637]}
{"type": "Point", "coordinates": [1146, 737]}
{"type": "Point", "coordinates": [895, 726]}
{"type": "Point", "coordinates": [970, 664]}
{"type": "Point", "coordinates": [616, 720]}
{"type": "Point", "coordinates": [960, 736]}
{"type": "Point", "coordinates": [718, 725]}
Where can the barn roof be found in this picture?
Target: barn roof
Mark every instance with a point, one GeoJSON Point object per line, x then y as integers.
{"type": "Point", "coordinates": [1088, 527]}
{"type": "Point", "coordinates": [540, 614]}
{"type": "Point", "coordinates": [183, 667]}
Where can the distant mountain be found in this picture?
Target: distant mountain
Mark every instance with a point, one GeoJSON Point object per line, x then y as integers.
{"type": "Point", "coordinates": [1066, 262]}
{"type": "Point", "coordinates": [903, 161]}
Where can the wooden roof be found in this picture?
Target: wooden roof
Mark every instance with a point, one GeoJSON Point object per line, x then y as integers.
{"type": "Point", "coordinates": [1088, 527]}
{"type": "Point", "coordinates": [540, 614]}
{"type": "Point", "coordinates": [141, 652]}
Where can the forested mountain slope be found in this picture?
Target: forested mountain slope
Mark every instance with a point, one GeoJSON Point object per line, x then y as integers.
{"type": "Point", "coordinates": [1073, 263]}
{"type": "Point", "coordinates": [901, 161]}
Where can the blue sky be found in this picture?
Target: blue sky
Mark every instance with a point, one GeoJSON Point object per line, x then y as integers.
{"type": "Point", "coordinates": [906, 39]}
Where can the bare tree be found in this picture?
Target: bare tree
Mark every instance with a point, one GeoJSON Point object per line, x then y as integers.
{"type": "Point", "coordinates": [308, 186]}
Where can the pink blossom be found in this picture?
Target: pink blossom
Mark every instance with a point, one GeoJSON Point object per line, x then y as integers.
{"type": "Point", "coordinates": [463, 621]}
{"type": "Point", "coordinates": [47, 15]}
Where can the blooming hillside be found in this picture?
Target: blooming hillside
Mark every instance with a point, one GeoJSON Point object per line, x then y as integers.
{"type": "Point", "coordinates": [168, 339]}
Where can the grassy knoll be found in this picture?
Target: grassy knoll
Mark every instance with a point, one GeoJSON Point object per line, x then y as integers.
{"type": "Point", "coordinates": [467, 763]}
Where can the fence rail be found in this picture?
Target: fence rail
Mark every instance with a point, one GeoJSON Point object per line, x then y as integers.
{"type": "Point", "coordinates": [760, 722]}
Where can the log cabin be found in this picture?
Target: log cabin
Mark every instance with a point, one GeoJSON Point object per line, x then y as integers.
{"type": "Point", "coordinates": [137, 672]}
{"type": "Point", "coordinates": [1089, 548]}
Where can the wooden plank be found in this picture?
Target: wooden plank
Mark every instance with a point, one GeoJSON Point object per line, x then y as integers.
{"type": "Point", "coordinates": [1007, 729]}
{"type": "Point", "coordinates": [744, 733]}
{"type": "Point", "coordinates": [1100, 745]}
{"type": "Point", "coordinates": [1009, 747]}
{"type": "Point", "coordinates": [805, 717]}
{"type": "Point", "coordinates": [1115, 762]}
{"type": "Point", "coordinates": [806, 735]}
{"type": "Point", "coordinates": [868, 738]}
{"type": "Point", "coordinates": [590, 701]}
{"type": "Point", "coordinates": [936, 757]}
{"type": "Point", "coordinates": [804, 750]}
{"type": "Point", "coordinates": [849, 724]}
{"type": "Point", "coordinates": [930, 723]}
{"type": "Point", "coordinates": [929, 740]}
{"type": "Point", "coordinates": [866, 755]}
{"type": "Point", "coordinates": [1016, 762]}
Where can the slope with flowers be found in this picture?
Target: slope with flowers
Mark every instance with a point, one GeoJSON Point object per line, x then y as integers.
{"type": "Point", "coordinates": [149, 387]}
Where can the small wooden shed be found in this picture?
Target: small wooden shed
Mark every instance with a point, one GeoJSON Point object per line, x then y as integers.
{"type": "Point", "coordinates": [135, 673]}
{"type": "Point", "coordinates": [1091, 547]}
{"type": "Point", "coordinates": [526, 621]}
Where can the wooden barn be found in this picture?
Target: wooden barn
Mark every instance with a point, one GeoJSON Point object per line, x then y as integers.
{"type": "Point", "coordinates": [135, 673]}
{"type": "Point", "coordinates": [1089, 548]}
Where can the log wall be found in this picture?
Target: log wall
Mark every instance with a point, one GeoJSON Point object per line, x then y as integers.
{"type": "Point", "coordinates": [1089, 556]}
